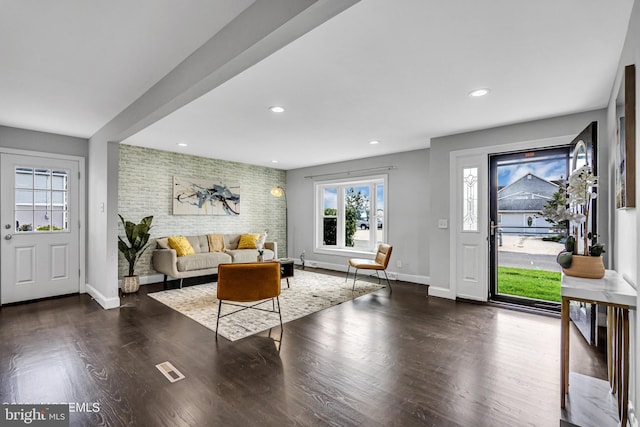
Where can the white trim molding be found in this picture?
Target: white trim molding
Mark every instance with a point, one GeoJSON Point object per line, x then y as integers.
{"type": "Point", "coordinates": [106, 303]}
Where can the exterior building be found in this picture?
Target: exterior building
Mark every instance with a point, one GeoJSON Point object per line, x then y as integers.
{"type": "Point", "coordinates": [520, 205]}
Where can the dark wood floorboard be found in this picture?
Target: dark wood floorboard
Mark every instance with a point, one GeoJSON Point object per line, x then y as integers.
{"type": "Point", "coordinates": [380, 360]}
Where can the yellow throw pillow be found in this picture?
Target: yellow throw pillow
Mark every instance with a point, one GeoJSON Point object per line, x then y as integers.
{"type": "Point", "coordinates": [248, 241]}
{"type": "Point", "coordinates": [181, 245]}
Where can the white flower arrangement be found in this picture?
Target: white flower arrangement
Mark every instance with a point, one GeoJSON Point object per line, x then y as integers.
{"type": "Point", "coordinates": [580, 193]}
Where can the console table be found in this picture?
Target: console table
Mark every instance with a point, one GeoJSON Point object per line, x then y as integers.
{"type": "Point", "coordinates": [618, 296]}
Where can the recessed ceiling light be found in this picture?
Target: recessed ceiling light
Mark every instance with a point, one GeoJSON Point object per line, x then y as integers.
{"type": "Point", "coordinates": [478, 92]}
{"type": "Point", "coordinates": [276, 109]}
{"type": "Point", "coordinates": [274, 161]}
{"type": "Point", "coordinates": [374, 142]}
{"type": "Point", "coordinates": [182, 144]}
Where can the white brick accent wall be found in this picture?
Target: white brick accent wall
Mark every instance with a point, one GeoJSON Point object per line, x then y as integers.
{"type": "Point", "coordinates": [145, 188]}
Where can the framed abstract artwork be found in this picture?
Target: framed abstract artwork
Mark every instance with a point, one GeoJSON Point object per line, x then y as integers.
{"type": "Point", "coordinates": [625, 153]}
{"type": "Point", "coordinates": [205, 196]}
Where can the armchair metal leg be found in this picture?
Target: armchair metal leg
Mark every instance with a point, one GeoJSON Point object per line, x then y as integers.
{"type": "Point", "coordinates": [181, 283]}
{"type": "Point", "coordinates": [388, 282]}
{"type": "Point", "coordinates": [378, 277]}
{"type": "Point", "coordinates": [355, 275]}
{"type": "Point", "coordinates": [218, 319]}
{"type": "Point", "coordinates": [279, 312]}
{"type": "Point", "coordinates": [347, 276]}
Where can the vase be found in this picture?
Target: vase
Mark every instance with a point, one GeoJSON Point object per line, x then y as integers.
{"type": "Point", "coordinates": [260, 258]}
{"type": "Point", "coordinates": [589, 267]}
{"type": "Point", "coordinates": [130, 284]}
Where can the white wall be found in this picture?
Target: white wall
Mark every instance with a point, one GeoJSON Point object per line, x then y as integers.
{"type": "Point", "coordinates": [625, 224]}
{"type": "Point", "coordinates": [566, 126]}
{"type": "Point", "coordinates": [407, 219]}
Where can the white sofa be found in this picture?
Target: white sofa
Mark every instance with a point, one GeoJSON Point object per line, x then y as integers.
{"type": "Point", "coordinates": [204, 262]}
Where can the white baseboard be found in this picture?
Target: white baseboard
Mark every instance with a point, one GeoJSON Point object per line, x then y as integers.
{"type": "Point", "coordinates": [393, 275]}
{"type": "Point", "coordinates": [106, 303]}
{"type": "Point", "coordinates": [441, 292]}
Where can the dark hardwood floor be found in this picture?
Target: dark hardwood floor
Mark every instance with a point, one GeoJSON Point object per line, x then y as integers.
{"type": "Point", "coordinates": [380, 360]}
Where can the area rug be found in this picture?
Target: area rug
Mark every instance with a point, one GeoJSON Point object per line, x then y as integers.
{"type": "Point", "coordinates": [309, 293]}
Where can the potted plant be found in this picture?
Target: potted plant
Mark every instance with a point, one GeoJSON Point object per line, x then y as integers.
{"type": "Point", "coordinates": [137, 236]}
{"type": "Point", "coordinates": [260, 253]}
{"type": "Point", "coordinates": [580, 193]}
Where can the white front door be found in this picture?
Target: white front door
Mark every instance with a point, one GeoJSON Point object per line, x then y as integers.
{"type": "Point", "coordinates": [39, 239]}
{"type": "Point", "coordinates": [469, 205]}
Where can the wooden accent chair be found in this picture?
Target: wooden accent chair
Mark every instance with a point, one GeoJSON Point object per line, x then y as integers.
{"type": "Point", "coordinates": [379, 263]}
{"type": "Point", "coordinates": [248, 282]}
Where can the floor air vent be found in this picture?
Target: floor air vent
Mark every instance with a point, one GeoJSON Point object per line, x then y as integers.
{"type": "Point", "coordinates": [170, 371]}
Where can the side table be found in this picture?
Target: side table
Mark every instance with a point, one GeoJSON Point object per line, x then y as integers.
{"type": "Point", "coordinates": [286, 268]}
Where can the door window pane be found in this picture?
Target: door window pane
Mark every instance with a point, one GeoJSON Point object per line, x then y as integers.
{"type": "Point", "coordinates": [470, 199]}
{"type": "Point", "coordinates": [42, 179]}
{"type": "Point", "coordinates": [59, 180]}
{"type": "Point", "coordinates": [24, 178]}
{"type": "Point", "coordinates": [37, 206]}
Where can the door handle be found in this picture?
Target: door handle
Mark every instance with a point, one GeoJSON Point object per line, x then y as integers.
{"type": "Point", "coordinates": [493, 227]}
{"type": "Point", "coordinates": [8, 237]}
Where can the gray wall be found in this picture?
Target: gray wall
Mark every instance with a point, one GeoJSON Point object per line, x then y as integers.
{"type": "Point", "coordinates": [441, 148]}
{"type": "Point", "coordinates": [145, 183]}
{"type": "Point", "coordinates": [407, 217]}
{"type": "Point", "coordinates": [23, 139]}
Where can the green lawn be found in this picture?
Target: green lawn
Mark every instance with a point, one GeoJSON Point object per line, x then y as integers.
{"type": "Point", "coordinates": [536, 284]}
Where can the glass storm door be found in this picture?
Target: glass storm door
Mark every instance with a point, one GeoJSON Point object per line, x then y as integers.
{"type": "Point", "coordinates": [524, 238]}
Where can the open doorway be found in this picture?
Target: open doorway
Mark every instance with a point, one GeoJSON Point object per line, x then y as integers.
{"type": "Point", "coordinates": [524, 240]}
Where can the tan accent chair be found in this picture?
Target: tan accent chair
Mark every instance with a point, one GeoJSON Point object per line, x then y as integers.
{"type": "Point", "coordinates": [379, 263]}
{"type": "Point", "coordinates": [248, 282]}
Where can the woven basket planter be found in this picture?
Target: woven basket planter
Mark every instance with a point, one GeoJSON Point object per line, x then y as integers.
{"type": "Point", "coordinates": [589, 267]}
{"type": "Point", "coordinates": [130, 284]}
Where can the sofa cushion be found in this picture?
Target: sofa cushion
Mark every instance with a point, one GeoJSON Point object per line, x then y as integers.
{"type": "Point", "coordinates": [199, 243]}
{"type": "Point", "coordinates": [181, 245]}
{"type": "Point", "coordinates": [202, 260]}
{"type": "Point", "coordinates": [231, 241]}
{"type": "Point", "coordinates": [248, 241]}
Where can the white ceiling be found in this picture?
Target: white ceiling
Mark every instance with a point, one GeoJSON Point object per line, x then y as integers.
{"type": "Point", "coordinates": [398, 72]}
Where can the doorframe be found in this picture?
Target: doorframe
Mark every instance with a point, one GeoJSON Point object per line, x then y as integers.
{"type": "Point", "coordinates": [493, 251]}
{"type": "Point", "coordinates": [82, 238]}
{"type": "Point", "coordinates": [453, 193]}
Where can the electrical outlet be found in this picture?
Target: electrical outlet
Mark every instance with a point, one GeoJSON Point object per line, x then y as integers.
{"type": "Point", "coordinates": [392, 276]}
{"type": "Point", "coordinates": [443, 223]}
{"type": "Point", "coordinates": [399, 264]}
